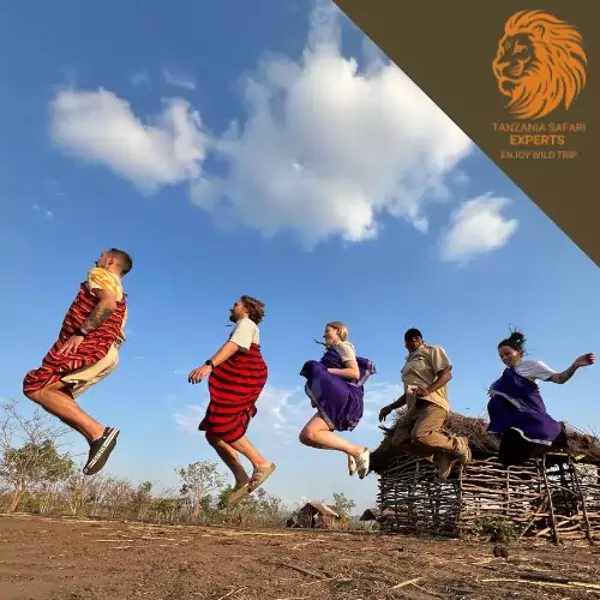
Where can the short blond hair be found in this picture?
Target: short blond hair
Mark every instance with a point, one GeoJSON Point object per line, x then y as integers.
{"type": "Point", "coordinates": [341, 329]}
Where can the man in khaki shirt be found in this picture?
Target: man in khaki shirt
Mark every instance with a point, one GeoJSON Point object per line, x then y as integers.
{"type": "Point", "coordinates": [425, 376]}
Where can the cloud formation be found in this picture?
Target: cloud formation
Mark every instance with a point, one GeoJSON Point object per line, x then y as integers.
{"type": "Point", "coordinates": [141, 78]}
{"type": "Point", "coordinates": [179, 79]}
{"type": "Point", "coordinates": [284, 411]}
{"type": "Point", "coordinates": [477, 227]}
{"type": "Point", "coordinates": [325, 149]}
{"type": "Point", "coordinates": [99, 127]}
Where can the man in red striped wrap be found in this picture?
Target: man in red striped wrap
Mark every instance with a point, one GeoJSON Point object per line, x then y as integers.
{"type": "Point", "coordinates": [85, 353]}
{"type": "Point", "coordinates": [237, 375]}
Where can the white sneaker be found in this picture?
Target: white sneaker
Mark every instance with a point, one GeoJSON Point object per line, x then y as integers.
{"type": "Point", "coordinates": [363, 463]}
{"type": "Point", "coordinates": [351, 466]}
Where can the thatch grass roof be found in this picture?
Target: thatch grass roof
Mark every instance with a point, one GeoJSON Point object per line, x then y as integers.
{"type": "Point", "coordinates": [483, 445]}
{"type": "Point", "coordinates": [321, 508]}
{"type": "Point", "coordinates": [371, 514]}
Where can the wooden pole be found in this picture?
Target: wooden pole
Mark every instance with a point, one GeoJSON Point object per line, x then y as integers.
{"type": "Point", "coordinates": [550, 503]}
{"type": "Point", "coordinates": [588, 532]}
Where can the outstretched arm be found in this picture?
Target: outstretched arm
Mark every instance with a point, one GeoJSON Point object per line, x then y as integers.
{"type": "Point", "coordinates": [386, 410]}
{"type": "Point", "coordinates": [585, 360]}
{"type": "Point", "coordinates": [226, 351]}
{"type": "Point", "coordinates": [239, 341]}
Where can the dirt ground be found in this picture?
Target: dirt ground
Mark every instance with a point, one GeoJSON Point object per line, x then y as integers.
{"type": "Point", "coordinates": [65, 559]}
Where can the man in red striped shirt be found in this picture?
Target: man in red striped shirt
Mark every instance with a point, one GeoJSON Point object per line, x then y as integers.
{"type": "Point", "coordinates": [238, 375]}
{"type": "Point", "coordinates": [85, 353]}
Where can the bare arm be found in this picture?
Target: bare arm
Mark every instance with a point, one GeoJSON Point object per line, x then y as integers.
{"type": "Point", "coordinates": [397, 403]}
{"type": "Point", "coordinates": [107, 303]}
{"type": "Point", "coordinates": [226, 351]}
{"type": "Point", "coordinates": [443, 377]}
{"type": "Point", "coordinates": [350, 370]}
{"type": "Point", "coordinates": [440, 363]}
{"type": "Point", "coordinates": [584, 360]}
{"type": "Point", "coordinates": [386, 410]}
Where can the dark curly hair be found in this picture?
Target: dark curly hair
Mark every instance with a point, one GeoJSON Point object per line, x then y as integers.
{"type": "Point", "coordinates": [255, 308]}
{"type": "Point", "coordinates": [516, 341]}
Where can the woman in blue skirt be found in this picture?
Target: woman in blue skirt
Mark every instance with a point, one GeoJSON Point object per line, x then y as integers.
{"type": "Point", "coordinates": [516, 408]}
{"type": "Point", "coordinates": [335, 386]}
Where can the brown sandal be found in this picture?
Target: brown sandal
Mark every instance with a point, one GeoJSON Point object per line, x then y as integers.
{"type": "Point", "coordinates": [238, 494]}
{"type": "Point", "coordinates": [259, 476]}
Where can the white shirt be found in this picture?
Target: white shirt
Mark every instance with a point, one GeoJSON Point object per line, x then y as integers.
{"type": "Point", "coordinates": [534, 369]}
{"type": "Point", "coordinates": [245, 333]}
{"type": "Point", "coordinates": [346, 351]}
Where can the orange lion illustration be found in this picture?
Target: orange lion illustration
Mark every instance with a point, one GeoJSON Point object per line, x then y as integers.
{"type": "Point", "coordinates": [540, 64]}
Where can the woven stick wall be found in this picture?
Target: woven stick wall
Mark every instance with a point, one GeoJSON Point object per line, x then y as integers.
{"type": "Point", "coordinates": [552, 498]}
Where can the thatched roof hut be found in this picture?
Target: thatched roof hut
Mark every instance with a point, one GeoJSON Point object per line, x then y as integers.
{"type": "Point", "coordinates": [557, 496]}
{"type": "Point", "coordinates": [371, 514]}
{"type": "Point", "coordinates": [483, 445]}
{"type": "Point", "coordinates": [319, 515]}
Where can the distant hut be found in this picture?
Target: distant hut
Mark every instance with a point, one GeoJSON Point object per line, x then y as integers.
{"type": "Point", "coordinates": [370, 518]}
{"type": "Point", "coordinates": [371, 514]}
{"type": "Point", "coordinates": [556, 496]}
{"type": "Point", "coordinates": [319, 516]}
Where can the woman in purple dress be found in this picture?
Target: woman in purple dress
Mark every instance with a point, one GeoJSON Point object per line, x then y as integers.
{"type": "Point", "coordinates": [335, 386]}
{"type": "Point", "coordinates": [516, 408]}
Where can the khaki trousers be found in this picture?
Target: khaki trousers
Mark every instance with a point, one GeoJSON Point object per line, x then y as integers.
{"type": "Point", "coordinates": [419, 431]}
{"type": "Point", "coordinates": [81, 380]}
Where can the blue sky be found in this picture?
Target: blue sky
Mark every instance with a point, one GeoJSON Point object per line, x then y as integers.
{"type": "Point", "coordinates": [278, 155]}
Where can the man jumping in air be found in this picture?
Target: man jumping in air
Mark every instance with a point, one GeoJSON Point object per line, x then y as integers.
{"type": "Point", "coordinates": [425, 376]}
{"type": "Point", "coordinates": [238, 375]}
{"type": "Point", "coordinates": [87, 351]}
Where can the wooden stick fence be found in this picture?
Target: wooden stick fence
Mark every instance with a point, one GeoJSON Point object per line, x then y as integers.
{"type": "Point", "coordinates": [553, 497]}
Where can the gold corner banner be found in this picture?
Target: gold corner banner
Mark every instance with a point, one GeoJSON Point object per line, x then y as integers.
{"type": "Point", "coordinates": [520, 80]}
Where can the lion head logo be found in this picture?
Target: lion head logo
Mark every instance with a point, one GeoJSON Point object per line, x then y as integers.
{"type": "Point", "coordinates": [540, 64]}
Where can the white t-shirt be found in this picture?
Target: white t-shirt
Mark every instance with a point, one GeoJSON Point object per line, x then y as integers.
{"type": "Point", "coordinates": [245, 333]}
{"type": "Point", "coordinates": [346, 351]}
{"type": "Point", "coordinates": [534, 369]}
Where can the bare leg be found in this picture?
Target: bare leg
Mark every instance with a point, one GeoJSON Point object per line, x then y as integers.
{"type": "Point", "coordinates": [317, 434]}
{"type": "Point", "coordinates": [243, 446]}
{"type": "Point", "coordinates": [54, 400]}
{"type": "Point", "coordinates": [229, 456]}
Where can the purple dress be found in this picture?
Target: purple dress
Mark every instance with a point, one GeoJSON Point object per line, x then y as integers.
{"type": "Point", "coordinates": [518, 414]}
{"type": "Point", "coordinates": [339, 401]}
{"type": "Point", "coordinates": [516, 403]}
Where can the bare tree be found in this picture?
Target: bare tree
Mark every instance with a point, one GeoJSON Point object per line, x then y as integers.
{"type": "Point", "coordinates": [343, 504]}
{"type": "Point", "coordinates": [199, 480]}
{"type": "Point", "coordinates": [30, 453]}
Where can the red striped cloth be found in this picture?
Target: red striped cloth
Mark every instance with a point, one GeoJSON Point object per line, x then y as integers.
{"type": "Point", "coordinates": [94, 346]}
{"type": "Point", "coordinates": [234, 388]}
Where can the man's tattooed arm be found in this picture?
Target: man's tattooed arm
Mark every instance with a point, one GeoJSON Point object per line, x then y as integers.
{"type": "Point", "coordinates": [101, 312]}
{"type": "Point", "coordinates": [98, 316]}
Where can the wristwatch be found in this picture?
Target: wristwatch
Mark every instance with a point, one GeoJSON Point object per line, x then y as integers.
{"type": "Point", "coordinates": [80, 333]}
{"type": "Point", "coordinates": [209, 363]}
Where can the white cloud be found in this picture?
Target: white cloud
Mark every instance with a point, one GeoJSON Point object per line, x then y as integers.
{"type": "Point", "coordinates": [179, 79]}
{"type": "Point", "coordinates": [99, 127]}
{"type": "Point", "coordinates": [477, 227]}
{"type": "Point", "coordinates": [141, 78]}
{"type": "Point", "coordinates": [188, 420]}
{"type": "Point", "coordinates": [284, 411]}
{"type": "Point", "coordinates": [326, 149]}
{"type": "Point", "coordinates": [47, 213]}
